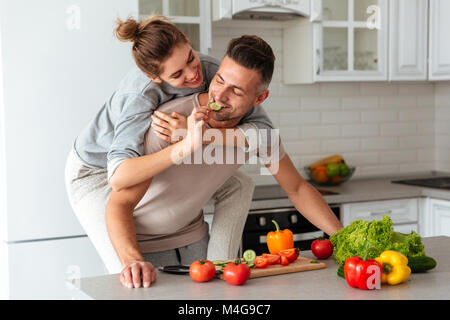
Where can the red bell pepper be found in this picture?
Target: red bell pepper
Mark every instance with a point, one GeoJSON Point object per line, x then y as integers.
{"type": "Point", "coordinates": [363, 274]}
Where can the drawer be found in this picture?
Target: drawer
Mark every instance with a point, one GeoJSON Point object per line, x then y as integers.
{"type": "Point", "coordinates": [406, 228]}
{"type": "Point", "coordinates": [401, 211]}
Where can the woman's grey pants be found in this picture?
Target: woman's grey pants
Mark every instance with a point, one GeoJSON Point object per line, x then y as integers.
{"type": "Point", "coordinates": [88, 191]}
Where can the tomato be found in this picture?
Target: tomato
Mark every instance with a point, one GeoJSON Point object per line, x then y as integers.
{"type": "Point", "coordinates": [284, 261]}
{"type": "Point", "coordinates": [322, 248]}
{"type": "Point", "coordinates": [236, 273]}
{"type": "Point", "coordinates": [261, 262]}
{"type": "Point", "coordinates": [202, 270]}
{"type": "Point", "coordinates": [290, 254]}
{"type": "Point", "coordinates": [271, 258]}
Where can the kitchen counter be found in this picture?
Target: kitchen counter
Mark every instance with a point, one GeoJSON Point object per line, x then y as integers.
{"type": "Point", "coordinates": [323, 284]}
{"type": "Point", "coordinates": [355, 190]}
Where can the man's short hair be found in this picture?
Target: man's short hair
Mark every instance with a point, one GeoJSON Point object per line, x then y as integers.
{"type": "Point", "coordinates": [254, 53]}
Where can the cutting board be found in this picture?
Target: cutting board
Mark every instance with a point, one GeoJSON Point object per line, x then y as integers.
{"type": "Point", "coordinates": [301, 264]}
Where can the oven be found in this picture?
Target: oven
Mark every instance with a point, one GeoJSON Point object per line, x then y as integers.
{"type": "Point", "coordinates": [259, 223]}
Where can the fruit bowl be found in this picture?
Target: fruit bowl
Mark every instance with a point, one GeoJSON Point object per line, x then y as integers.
{"type": "Point", "coordinates": [320, 177]}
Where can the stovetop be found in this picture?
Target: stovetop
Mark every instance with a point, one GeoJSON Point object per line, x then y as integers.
{"type": "Point", "coordinates": [438, 182]}
{"type": "Point", "coordinates": [276, 192]}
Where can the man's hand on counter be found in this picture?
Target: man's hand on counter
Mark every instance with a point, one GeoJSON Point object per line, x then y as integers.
{"type": "Point", "coordinates": [138, 273]}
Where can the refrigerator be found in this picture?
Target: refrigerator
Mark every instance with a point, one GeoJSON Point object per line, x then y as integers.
{"type": "Point", "coordinates": [59, 63]}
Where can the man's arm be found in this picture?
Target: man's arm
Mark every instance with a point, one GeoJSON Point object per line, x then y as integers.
{"type": "Point", "coordinates": [306, 199]}
{"type": "Point", "coordinates": [122, 233]}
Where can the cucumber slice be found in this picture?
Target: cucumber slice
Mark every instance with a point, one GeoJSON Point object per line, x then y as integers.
{"type": "Point", "coordinates": [215, 106]}
{"type": "Point", "coordinates": [249, 255]}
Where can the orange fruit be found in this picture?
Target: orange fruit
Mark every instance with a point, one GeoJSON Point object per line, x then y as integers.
{"type": "Point", "coordinates": [319, 175]}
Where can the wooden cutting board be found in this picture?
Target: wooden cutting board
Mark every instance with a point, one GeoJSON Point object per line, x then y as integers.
{"type": "Point", "coordinates": [301, 264]}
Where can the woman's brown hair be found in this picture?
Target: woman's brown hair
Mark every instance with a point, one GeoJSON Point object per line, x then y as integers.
{"type": "Point", "coordinates": [153, 40]}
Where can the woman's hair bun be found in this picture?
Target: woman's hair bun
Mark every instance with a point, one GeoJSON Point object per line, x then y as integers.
{"type": "Point", "coordinates": [127, 30]}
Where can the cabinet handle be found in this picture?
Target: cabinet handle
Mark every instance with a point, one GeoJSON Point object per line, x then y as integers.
{"type": "Point", "coordinates": [380, 213]}
{"type": "Point", "coordinates": [318, 61]}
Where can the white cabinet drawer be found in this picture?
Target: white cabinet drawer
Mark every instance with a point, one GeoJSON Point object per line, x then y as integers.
{"type": "Point", "coordinates": [406, 228]}
{"type": "Point", "coordinates": [401, 211]}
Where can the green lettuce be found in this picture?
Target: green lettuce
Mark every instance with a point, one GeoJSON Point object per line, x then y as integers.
{"type": "Point", "coordinates": [373, 237]}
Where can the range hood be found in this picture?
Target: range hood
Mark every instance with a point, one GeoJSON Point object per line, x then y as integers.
{"type": "Point", "coordinates": [279, 10]}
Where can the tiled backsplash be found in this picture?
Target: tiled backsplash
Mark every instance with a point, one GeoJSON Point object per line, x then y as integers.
{"type": "Point", "coordinates": [381, 128]}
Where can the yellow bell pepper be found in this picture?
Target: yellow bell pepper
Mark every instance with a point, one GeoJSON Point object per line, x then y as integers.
{"type": "Point", "coordinates": [395, 267]}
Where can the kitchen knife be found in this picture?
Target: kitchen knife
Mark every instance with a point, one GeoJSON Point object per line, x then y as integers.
{"type": "Point", "coordinates": [175, 269]}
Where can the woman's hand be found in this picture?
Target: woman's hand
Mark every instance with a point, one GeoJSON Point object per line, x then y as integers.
{"type": "Point", "coordinates": [138, 273]}
{"type": "Point", "coordinates": [169, 127]}
{"type": "Point", "coordinates": [196, 124]}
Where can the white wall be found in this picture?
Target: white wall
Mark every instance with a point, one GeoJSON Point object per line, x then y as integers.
{"type": "Point", "coordinates": [442, 93]}
{"type": "Point", "coordinates": [382, 128]}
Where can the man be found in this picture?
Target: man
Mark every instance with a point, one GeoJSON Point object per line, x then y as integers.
{"type": "Point", "coordinates": [170, 203]}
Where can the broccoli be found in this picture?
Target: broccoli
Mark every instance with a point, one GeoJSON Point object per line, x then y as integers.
{"type": "Point", "coordinates": [374, 237]}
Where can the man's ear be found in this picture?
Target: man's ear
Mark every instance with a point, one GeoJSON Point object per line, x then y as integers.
{"type": "Point", "coordinates": [261, 97]}
{"type": "Point", "coordinates": [155, 79]}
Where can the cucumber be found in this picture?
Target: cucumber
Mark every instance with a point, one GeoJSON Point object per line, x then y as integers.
{"type": "Point", "coordinates": [421, 264]}
{"type": "Point", "coordinates": [215, 106]}
{"type": "Point", "coordinates": [340, 271]}
{"type": "Point", "coordinates": [249, 255]}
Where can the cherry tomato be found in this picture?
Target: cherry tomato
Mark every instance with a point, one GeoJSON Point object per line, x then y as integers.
{"type": "Point", "coordinates": [284, 261]}
{"type": "Point", "coordinates": [271, 258]}
{"type": "Point", "coordinates": [202, 270]}
{"type": "Point", "coordinates": [236, 273]}
{"type": "Point", "coordinates": [261, 262]}
{"type": "Point", "coordinates": [322, 248]}
{"type": "Point", "coordinates": [290, 254]}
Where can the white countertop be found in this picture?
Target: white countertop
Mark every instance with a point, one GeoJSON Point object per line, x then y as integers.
{"type": "Point", "coordinates": [323, 284]}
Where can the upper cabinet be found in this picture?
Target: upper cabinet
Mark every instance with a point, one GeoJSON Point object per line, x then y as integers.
{"type": "Point", "coordinates": [369, 40]}
{"type": "Point", "coordinates": [408, 22]}
{"type": "Point", "coordinates": [346, 41]}
{"type": "Point", "coordinates": [193, 17]}
{"type": "Point", "coordinates": [439, 45]}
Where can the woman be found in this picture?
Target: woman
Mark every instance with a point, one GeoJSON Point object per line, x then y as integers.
{"type": "Point", "coordinates": [108, 154]}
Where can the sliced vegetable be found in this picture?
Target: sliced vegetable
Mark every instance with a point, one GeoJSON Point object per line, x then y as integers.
{"type": "Point", "coordinates": [271, 258]}
{"type": "Point", "coordinates": [292, 254]}
{"type": "Point", "coordinates": [261, 262]}
{"type": "Point", "coordinates": [215, 106]}
{"type": "Point", "coordinates": [249, 255]}
{"type": "Point", "coordinates": [284, 261]}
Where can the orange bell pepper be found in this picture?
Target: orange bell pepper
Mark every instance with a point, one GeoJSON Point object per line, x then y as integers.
{"type": "Point", "coordinates": [280, 239]}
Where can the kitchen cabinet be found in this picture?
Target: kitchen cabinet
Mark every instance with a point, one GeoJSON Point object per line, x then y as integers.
{"type": "Point", "coordinates": [403, 212]}
{"type": "Point", "coordinates": [408, 36]}
{"type": "Point", "coordinates": [436, 217]}
{"type": "Point", "coordinates": [346, 41]}
{"type": "Point", "coordinates": [193, 17]}
{"type": "Point", "coordinates": [369, 40]}
{"type": "Point", "coordinates": [439, 40]}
